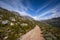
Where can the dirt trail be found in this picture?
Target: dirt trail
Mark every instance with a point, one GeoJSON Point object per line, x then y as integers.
{"type": "Point", "coordinates": [34, 34]}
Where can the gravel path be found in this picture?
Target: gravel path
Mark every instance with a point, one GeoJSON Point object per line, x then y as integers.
{"type": "Point", "coordinates": [34, 34]}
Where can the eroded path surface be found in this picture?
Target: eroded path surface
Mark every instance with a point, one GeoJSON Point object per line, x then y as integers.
{"type": "Point", "coordinates": [34, 34]}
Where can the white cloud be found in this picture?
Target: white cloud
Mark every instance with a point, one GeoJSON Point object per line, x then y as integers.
{"type": "Point", "coordinates": [5, 5]}
{"type": "Point", "coordinates": [24, 14]}
{"type": "Point", "coordinates": [54, 12]}
{"type": "Point", "coordinates": [44, 5]}
{"type": "Point", "coordinates": [19, 7]}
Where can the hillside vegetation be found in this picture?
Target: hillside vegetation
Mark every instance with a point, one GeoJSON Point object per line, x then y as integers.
{"type": "Point", "coordinates": [12, 26]}
{"type": "Point", "coordinates": [54, 22]}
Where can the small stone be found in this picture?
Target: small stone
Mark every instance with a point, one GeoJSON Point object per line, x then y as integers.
{"type": "Point", "coordinates": [5, 22]}
{"type": "Point", "coordinates": [11, 24]}
{"type": "Point", "coordinates": [24, 24]}
{"type": "Point", "coordinates": [12, 19]}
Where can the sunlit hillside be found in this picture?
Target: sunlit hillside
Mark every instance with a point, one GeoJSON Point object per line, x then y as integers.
{"type": "Point", "coordinates": [13, 26]}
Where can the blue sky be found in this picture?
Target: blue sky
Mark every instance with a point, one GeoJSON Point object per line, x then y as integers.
{"type": "Point", "coordinates": [37, 9]}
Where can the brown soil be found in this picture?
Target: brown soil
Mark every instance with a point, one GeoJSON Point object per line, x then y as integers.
{"type": "Point", "coordinates": [34, 34]}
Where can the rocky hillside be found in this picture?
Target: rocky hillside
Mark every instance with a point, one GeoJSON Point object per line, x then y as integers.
{"type": "Point", "coordinates": [12, 26]}
{"type": "Point", "coordinates": [50, 32]}
{"type": "Point", "coordinates": [54, 22]}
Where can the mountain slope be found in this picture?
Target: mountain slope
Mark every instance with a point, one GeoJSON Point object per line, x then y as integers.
{"type": "Point", "coordinates": [54, 22]}
{"type": "Point", "coordinates": [13, 26]}
{"type": "Point", "coordinates": [49, 32]}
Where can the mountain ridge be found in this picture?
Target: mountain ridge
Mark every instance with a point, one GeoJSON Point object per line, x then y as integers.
{"type": "Point", "coordinates": [13, 26]}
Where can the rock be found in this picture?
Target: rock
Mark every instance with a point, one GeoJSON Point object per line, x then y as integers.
{"type": "Point", "coordinates": [11, 23]}
{"type": "Point", "coordinates": [5, 37]}
{"type": "Point", "coordinates": [24, 24]}
{"type": "Point", "coordinates": [5, 22]}
{"type": "Point", "coordinates": [12, 19]}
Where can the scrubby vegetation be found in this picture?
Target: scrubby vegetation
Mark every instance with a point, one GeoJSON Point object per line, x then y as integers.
{"type": "Point", "coordinates": [54, 22]}
{"type": "Point", "coordinates": [12, 26]}
{"type": "Point", "coordinates": [50, 32]}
